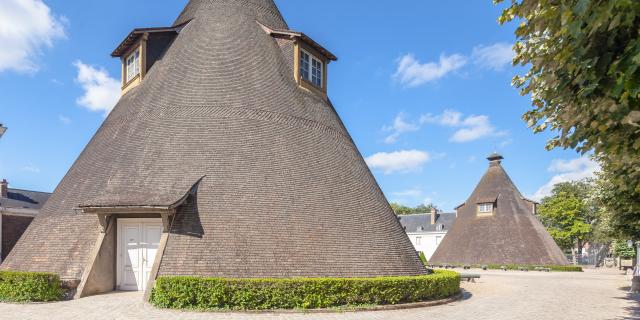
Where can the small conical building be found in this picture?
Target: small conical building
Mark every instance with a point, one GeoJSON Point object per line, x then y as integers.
{"type": "Point", "coordinates": [223, 158]}
{"type": "Point", "coordinates": [497, 225]}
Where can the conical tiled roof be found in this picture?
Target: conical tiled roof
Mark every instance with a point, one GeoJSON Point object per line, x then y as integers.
{"type": "Point", "coordinates": [511, 235]}
{"type": "Point", "coordinates": [282, 191]}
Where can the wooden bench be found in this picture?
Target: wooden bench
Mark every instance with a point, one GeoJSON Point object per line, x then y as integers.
{"type": "Point", "coordinates": [470, 277]}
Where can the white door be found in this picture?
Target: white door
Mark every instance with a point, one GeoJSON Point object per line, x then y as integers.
{"type": "Point", "coordinates": [138, 241]}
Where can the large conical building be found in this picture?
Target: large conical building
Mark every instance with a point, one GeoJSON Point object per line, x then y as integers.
{"type": "Point", "coordinates": [497, 225]}
{"type": "Point", "coordinates": [225, 158]}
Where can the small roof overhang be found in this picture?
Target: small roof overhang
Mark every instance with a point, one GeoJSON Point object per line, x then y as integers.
{"type": "Point", "coordinates": [487, 199]}
{"type": "Point", "coordinates": [136, 34]}
{"type": "Point", "coordinates": [301, 36]}
{"type": "Point", "coordinates": [22, 212]}
{"type": "Point", "coordinates": [529, 200]}
{"type": "Point", "coordinates": [459, 206]}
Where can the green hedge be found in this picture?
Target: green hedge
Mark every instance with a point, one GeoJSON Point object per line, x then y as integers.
{"type": "Point", "coordinates": [29, 286]}
{"type": "Point", "coordinates": [518, 266]}
{"type": "Point", "coordinates": [300, 293]}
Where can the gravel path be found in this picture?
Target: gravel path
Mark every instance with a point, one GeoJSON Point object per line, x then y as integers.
{"type": "Point", "coordinates": [497, 295]}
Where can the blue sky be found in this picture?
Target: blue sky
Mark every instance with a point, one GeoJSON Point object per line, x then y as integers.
{"type": "Point", "coordinates": [423, 87]}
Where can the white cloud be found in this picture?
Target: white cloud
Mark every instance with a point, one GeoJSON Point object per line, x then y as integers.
{"type": "Point", "coordinates": [26, 27]}
{"type": "Point", "coordinates": [411, 193]}
{"type": "Point", "coordinates": [470, 128]}
{"type": "Point", "coordinates": [64, 120]}
{"type": "Point", "coordinates": [31, 168]}
{"type": "Point", "coordinates": [400, 161]}
{"type": "Point", "coordinates": [496, 56]}
{"type": "Point", "coordinates": [413, 73]}
{"type": "Point", "coordinates": [567, 170]}
{"type": "Point", "coordinates": [400, 126]}
{"type": "Point", "coordinates": [101, 92]}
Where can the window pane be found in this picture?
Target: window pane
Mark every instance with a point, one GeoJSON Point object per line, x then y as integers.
{"type": "Point", "coordinates": [304, 66]}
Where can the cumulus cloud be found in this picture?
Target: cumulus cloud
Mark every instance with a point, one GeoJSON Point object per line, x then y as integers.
{"type": "Point", "coordinates": [101, 92]}
{"type": "Point", "coordinates": [400, 126]}
{"type": "Point", "coordinates": [496, 56]}
{"type": "Point", "coordinates": [412, 73]}
{"type": "Point", "coordinates": [26, 28]}
{"type": "Point", "coordinates": [399, 161]}
{"type": "Point", "coordinates": [565, 171]}
{"type": "Point", "coordinates": [469, 128]}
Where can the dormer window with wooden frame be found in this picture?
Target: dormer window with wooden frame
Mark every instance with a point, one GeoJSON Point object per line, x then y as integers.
{"type": "Point", "coordinates": [141, 50]}
{"type": "Point", "coordinates": [132, 65]}
{"type": "Point", "coordinates": [485, 208]}
{"type": "Point", "coordinates": [311, 69]}
{"type": "Point", "coordinates": [310, 59]}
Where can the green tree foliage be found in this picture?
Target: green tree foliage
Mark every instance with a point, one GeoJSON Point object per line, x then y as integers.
{"type": "Point", "coordinates": [403, 210]}
{"type": "Point", "coordinates": [584, 81]}
{"type": "Point", "coordinates": [567, 214]}
{"type": "Point", "coordinates": [622, 250]}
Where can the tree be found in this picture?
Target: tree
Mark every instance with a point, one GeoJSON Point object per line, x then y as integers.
{"type": "Point", "coordinates": [584, 81]}
{"type": "Point", "coordinates": [567, 215]}
{"type": "Point", "coordinates": [402, 210]}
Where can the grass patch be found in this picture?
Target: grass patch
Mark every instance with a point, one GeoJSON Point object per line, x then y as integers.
{"type": "Point", "coordinates": [206, 294]}
{"type": "Point", "coordinates": [29, 286]}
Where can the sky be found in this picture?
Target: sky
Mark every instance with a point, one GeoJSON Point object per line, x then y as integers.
{"type": "Point", "coordinates": [424, 88]}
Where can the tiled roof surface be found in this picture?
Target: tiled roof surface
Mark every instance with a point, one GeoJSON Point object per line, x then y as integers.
{"type": "Point", "coordinates": [513, 235]}
{"type": "Point", "coordinates": [422, 222]}
{"type": "Point", "coordinates": [24, 199]}
{"type": "Point", "coordinates": [286, 192]}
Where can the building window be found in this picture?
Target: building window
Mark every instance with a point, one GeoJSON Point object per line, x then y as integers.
{"type": "Point", "coordinates": [133, 65]}
{"type": "Point", "coordinates": [418, 241]}
{"type": "Point", "coordinates": [485, 208]}
{"type": "Point", "coordinates": [440, 227]}
{"type": "Point", "coordinates": [311, 69]}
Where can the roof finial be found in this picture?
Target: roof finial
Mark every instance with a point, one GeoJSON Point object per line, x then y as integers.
{"type": "Point", "coordinates": [495, 157]}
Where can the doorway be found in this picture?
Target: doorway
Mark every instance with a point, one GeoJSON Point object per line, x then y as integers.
{"type": "Point", "coordinates": [137, 242]}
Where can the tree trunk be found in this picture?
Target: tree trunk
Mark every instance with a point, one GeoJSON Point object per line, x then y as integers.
{"type": "Point", "coordinates": [573, 256]}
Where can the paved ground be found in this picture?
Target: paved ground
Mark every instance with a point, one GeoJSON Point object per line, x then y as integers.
{"type": "Point", "coordinates": [497, 295]}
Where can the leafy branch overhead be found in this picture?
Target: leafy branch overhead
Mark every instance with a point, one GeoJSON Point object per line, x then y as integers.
{"type": "Point", "coordinates": [584, 81]}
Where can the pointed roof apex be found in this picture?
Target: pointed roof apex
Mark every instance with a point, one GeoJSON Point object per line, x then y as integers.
{"type": "Point", "coordinates": [495, 157]}
{"type": "Point", "coordinates": [266, 11]}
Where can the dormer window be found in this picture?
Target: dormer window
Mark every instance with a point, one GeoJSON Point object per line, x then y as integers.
{"type": "Point", "coordinates": [133, 65]}
{"type": "Point", "coordinates": [485, 207]}
{"type": "Point", "coordinates": [140, 50]}
{"type": "Point", "coordinates": [309, 62]}
{"type": "Point", "coordinates": [311, 69]}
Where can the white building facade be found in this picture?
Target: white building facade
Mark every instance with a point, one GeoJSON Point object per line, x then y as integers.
{"type": "Point", "coordinates": [427, 230]}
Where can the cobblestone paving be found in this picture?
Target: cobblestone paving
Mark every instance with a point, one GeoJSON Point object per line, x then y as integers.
{"type": "Point", "coordinates": [497, 295]}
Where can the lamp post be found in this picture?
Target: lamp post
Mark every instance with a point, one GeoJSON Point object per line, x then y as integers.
{"type": "Point", "coordinates": [635, 282]}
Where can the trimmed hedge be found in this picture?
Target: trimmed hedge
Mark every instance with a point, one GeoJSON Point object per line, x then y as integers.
{"type": "Point", "coordinates": [518, 266]}
{"type": "Point", "coordinates": [29, 286]}
{"type": "Point", "coordinates": [300, 293]}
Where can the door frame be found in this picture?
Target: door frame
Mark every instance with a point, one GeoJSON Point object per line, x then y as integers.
{"type": "Point", "coordinates": [120, 254]}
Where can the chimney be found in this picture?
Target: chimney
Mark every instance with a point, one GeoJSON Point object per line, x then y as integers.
{"type": "Point", "coordinates": [4, 189]}
{"type": "Point", "coordinates": [434, 215]}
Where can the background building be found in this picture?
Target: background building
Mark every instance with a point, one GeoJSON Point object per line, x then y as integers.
{"type": "Point", "coordinates": [426, 230]}
{"type": "Point", "coordinates": [17, 210]}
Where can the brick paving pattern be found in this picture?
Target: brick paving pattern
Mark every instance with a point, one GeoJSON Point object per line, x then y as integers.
{"type": "Point", "coordinates": [497, 295]}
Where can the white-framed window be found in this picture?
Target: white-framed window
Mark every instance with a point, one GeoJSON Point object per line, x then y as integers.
{"type": "Point", "coordinates": [485, 207]}
{"type": "Point", "coordinates": [133, 65]}
{"type": "Point", "coordinates": [418, 241]}
{"type": "Point", "coordinates": [311, 68]}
